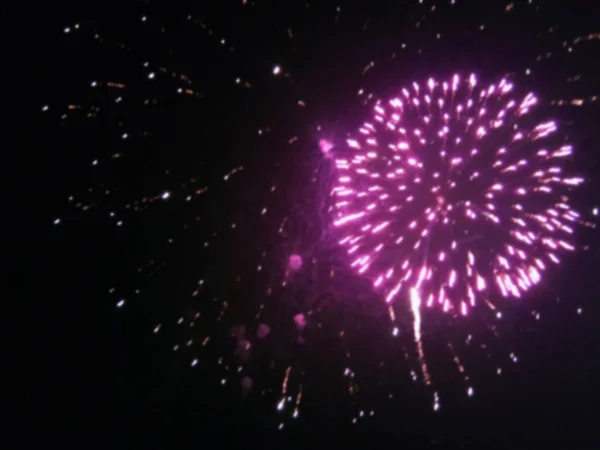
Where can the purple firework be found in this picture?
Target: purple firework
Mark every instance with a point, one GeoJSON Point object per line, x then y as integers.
{"type": "Point", "coordinates": [452, 191]}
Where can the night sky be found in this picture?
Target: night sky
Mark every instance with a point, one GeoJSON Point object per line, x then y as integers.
{"type": "Point", "coordinates": [189, 285]}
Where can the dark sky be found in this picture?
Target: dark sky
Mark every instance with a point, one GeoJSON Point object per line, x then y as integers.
{"type": "Point", "coordinates": [102, 377]}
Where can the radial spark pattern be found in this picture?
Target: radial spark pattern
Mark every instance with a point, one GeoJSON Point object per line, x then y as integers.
{"type": "Point", "coordinates": [454, 189]}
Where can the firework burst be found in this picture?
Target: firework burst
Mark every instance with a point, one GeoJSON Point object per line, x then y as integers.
{"type": "Point", "coordinates": [452, 193]}
{"type": "Point", "coordinates": [450, 190]}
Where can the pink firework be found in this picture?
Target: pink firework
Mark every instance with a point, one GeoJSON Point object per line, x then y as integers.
{"type": "Point", "coordinates": [451, 191]}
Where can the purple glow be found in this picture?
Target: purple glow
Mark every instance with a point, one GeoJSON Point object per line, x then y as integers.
{"type": "Point", "coordinates": [300, 321]}
{"type": "Point", "coordinates": [295, 261]}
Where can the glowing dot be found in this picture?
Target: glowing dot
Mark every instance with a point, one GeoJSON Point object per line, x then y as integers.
{"type": "Point", "coordinates": [325, 145]}
{"type": "Point", "coordinates": [120, 303]}
{"type": "Point", "coordinates": [45, 108]}
{"type": "Point", "coordinates": [295, 261]}
{"type": "Point", "coordinates": [151, 75]}
{"type": "Point", "coordinates": [166, 195]}
{"type": "Point", "coordinates": [262, 331]}
{"type": "Point", "coordinates": [300, 321]}
{"type": "Point", "coordinates": [56, 221]}
{"type": "Point", "coordinates": [276, 70]}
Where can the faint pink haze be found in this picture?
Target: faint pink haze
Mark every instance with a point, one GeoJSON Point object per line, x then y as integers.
{"type": "Point", "coordinates": [246, 385]}
{"type": "Point", "coordinates": [238, 331]}
{"type": "Point", "coordinates": [262, 331]}
{"type": "Point", "coordinates": [295, 261]}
